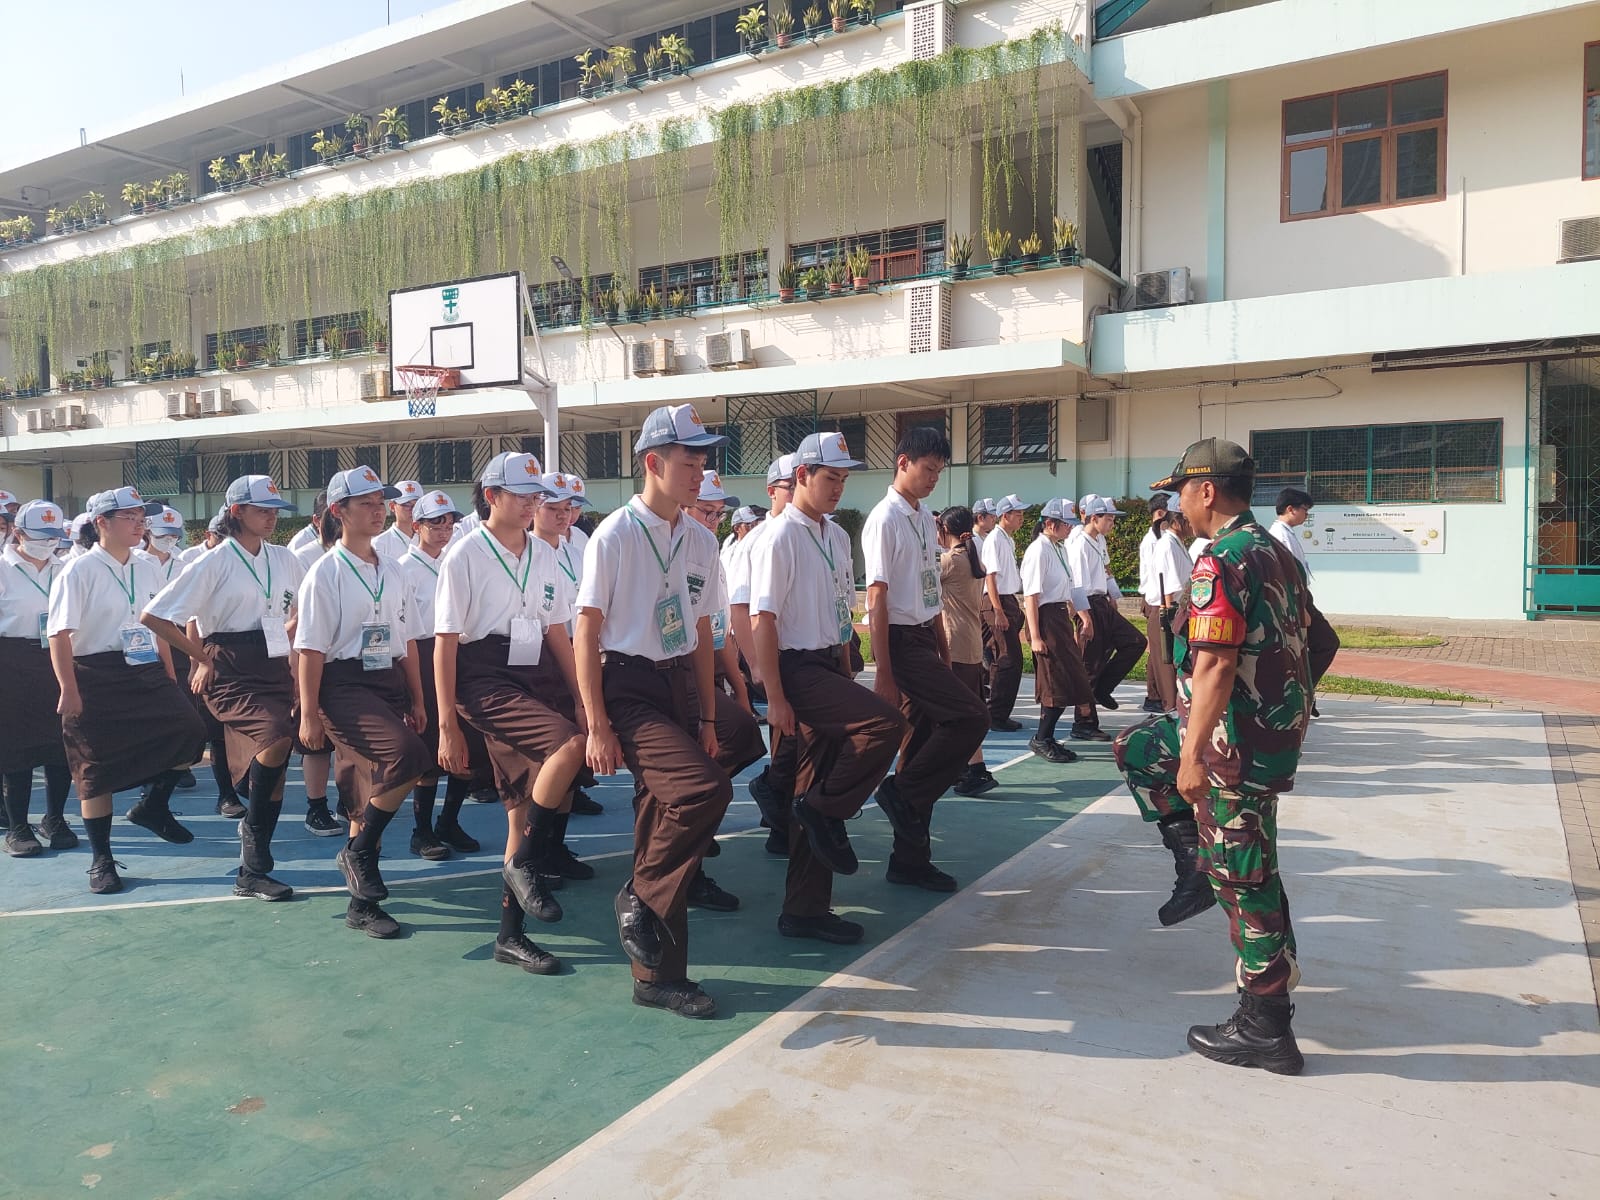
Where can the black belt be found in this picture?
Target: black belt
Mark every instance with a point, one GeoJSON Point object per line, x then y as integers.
{"type": "Point", "coordinates": [828, 654]}
{"type": "Point", "coordinates": [240, 637]}
{"type": "Point", "coordinates": [611, 658]}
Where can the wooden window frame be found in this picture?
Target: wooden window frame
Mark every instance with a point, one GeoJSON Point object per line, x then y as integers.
{"type": "Point", "coordinates": [1589, 93]}
{"type": "Point", "coordinates": [1388, 136]}
{"type": "Point", "coordinates": [877, 243]}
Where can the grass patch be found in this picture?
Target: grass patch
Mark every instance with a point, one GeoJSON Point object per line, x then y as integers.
{"type": "Point", "coordinates": [1364, 638]}
{"type": "Point", "coordinates": [1351, 685]}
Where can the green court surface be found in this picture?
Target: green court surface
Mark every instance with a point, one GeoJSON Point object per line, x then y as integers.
{"type": "Point", "coordinates": [240, 1049]}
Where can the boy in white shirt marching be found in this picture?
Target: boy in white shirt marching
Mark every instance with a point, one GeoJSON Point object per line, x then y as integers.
{"type": "Point", "coordinates": [1114, 645]}
{"type": "Point", "coordinates": [1002, 615]}
{"type": "Point", "coordinates": [395, 541]}
{"type": "Point", "coordinates": [1052, 598]}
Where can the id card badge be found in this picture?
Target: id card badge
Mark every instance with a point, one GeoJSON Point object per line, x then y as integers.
{"type": "Point", "coordinates": [719, 629]}
{"type": "Point", "coordinates": [138, 645]}
{"type": "Point", "coordinates": [276, 631]}
{"type": "Point", "coordinates": [527, 639]}
{"type": "Point", "coordinates": [841, 608]}
{"type": "Point", "coordinates": [670, 624]}
{"type": "Point", "coordinates": [930, 588]}
{"type": "Point", "coordinates": [44, 631]}
{"type": "Point", "coordinates": [376, 654]}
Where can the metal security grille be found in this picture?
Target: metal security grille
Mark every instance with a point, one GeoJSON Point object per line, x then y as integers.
{"type": "Point", "coordinates": [759, 428]}
{"type": "Point", "coordinates": [1427, 462]}
{"type": "Point", "coordinates": [155, 468]}
{"type": "Point", "coordinates": [1563, 555]}
{"type": "Point", "coordinates": [1011, 433]}
{"type": "Point", "coordinates": [402, 462]}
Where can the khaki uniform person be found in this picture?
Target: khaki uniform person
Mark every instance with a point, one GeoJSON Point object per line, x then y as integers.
{"type": "Point", "coordinates": [640, 632]}
{"type": "Point", "coordinates": [1052, 598]}
{"type": "Point", "coordinates": [359, 684]}
{"type": "Point", "coordinates": [240, 598]}
{"type": "Point", "coordinates": [124, 720]}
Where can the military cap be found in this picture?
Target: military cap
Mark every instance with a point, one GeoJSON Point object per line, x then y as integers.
{"type": "Point", "coordinates": [1207, 458]}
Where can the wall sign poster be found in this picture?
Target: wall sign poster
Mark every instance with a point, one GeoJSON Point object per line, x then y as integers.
{"type": "Point", "coordinates": [1332, 530]}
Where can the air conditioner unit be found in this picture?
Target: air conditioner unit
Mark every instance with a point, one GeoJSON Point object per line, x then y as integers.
{"type": "Point", "coordinates": [728, 350]}
{"type": "Point", "coordinates": [928, 317]}
{"type": "Point", "coordinates": [34, 420]}
{"type": "Point", "coordinates": [70, 416]}
{"type": "Point", "coordinates": [1580, 239]}
{"type": "Point", "coordinates": [652, 356]}
{"type": "Point", "coordinates": [1162, 289]}
{"type": "Point", "coordinates": [183, 406]}
{"type": "Point", "coordinates": [47, 418]}
{"type": "Point", "coordinates": [374, 386]}
{"type": "Point", "coordinates": [932, 28]}
{"type": "Point", "coordinates": [216, 402]}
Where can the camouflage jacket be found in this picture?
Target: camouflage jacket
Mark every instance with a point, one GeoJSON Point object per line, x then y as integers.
{"type": "Point", "coordinates": [1248, 593]}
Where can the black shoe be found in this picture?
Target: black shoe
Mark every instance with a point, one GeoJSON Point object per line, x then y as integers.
{"type": "Point", "coordinates": [103, 877]}
{"type": "Point", "coordinates": [360, 871]}
{"type": "Point", "coordinates": [704, 893]}
{"type": "Point", "coordinates": [1051, 750]}
{"type": "Point", "coordinates": [1106, 700]}
{"type": "Point", "coordinates": [532, 892]}
{"type": "Point", "coordinates": [1257, 1035]}
{"type": "Point", "coordinates": [163, 824]}
{"type": "Point", "coordinates": [829, 841]}
{"type": "Point", "coordinates": [1314, 711]}
{"type": "Point", "coordinates": [21, 842]}
{"type": "Point", "coordinates": [585, 805]}
{"type": "Point", "coordinates": [1004, 725]}
{"type": "Point", "coordinates": [58, 833]}
{"type": "Point", "coordinates": [425, 845]}
{"type": "Point", "coordinates": [456, 838]}
{"type": "Point", "coordinates": [771, 804]}
{"type": "Point", "coordinates": [638, 928]}
{"type": "Point", "coordinates": [778, 843]}
{"type": "Point", "coordinates": [927, 876]}
{"type": "Point", "coordinates": [185, 780]}
{"type": "Point", "coordinates": [1087, 733]}
{"type": "Point", "coordinates": [975, 782]}
{"type": "Point", "coordinates": [520, 952]}
{"type": "Point", "coordinates": [486, 795]}
{"type": "Point", "coordinates": [1192, 893]}
{"type": "Point", "coordinates": [320, 821]}
{"type": "Point", "coordinates": [343, 810]}
{"type": "Point", "coordinates": [906, 824]}
{"type": "Point", "coordinates": [830, 927]}
{"type": "Point", "coordinates": [1154, 706]}
{"type": "Point", "coordinates": [562, 863]}
{"type": "Point", "coordinates": [684, 998]}
{"type": "Point", "coordinates": [229, 806]}
{"type": "Point", "coordinates": [366, 916]}
{"type": "Point", "coordinates": [260, 887]}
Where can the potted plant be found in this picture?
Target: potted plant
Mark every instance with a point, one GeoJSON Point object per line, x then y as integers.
{"type": "Point", "coordinates": [838, 275]}
{"type": "Point", "coordinates": [183, 363]}
{"type": "Point", "coordinates": [751, 26]}
{"type": "Point", "coordinates": [837, 9]}
{"type": "Point", "coordinates": [72, 381]}
{"type": "Point", "coordinates": [678, 301]}
{"type": "Point", "coordinates": [357, 127]}
{"type": "Point", "coordinates": [75, 215]}
{"type": "Point", "coordinates": [94, 207]}
{"type": "Point", "coordinates": [859, 261]}
{"type": "Point", "coordinates": [630, 305]}
{"type": "Point", "coordinates": [782, 23]}
{"type": "Point", "coordinates": [134, 195]}
{"type": "Point", "coordinates": [815, 281]}
{"type": "Point", "coordinates": [1028, 249]}
{"type": "Point", "coordinates": [175, 188]}
{"type": "Point", "coordinates": [240, 355]}
{"type": "Point", "coordinates": [521, 94]}
{"type": "Point", "coordinates": [100, 369]}
{"type": "Point", "coordinates": [5, 388]}
{"type": "Point", "coordinates": [1066, 239]}
{"type": "Point", "coordinates": [655, 60]}
{"type": "Point", "coordinates": [328, 146]}
{"type": "Point", "coordinates": [619, 63]}
{"type": "Point", "coordinates": [999, 243]}
{"type": "Point", "coordinates": [590, 72]}
{"type": "Point", "coordinates": [652, 302]}
{"type": "Point", "coordinates": [863, 10]}
{"type": "Point", "coordinates": [959, 256]}
{"type": "Point", "coordinates": [811, 19]}
{"type": "Point", "coordinates": [678, 51]}
{"type": "Point", "coordinates": [16, 231]}
{"type": "Point", "coordinates": [788, 276]}
{"type": "Point", "coordinates": [393, 127]}
{"type": "Point", "coordinates": [27, 384]}
{"type": "Point", "coordinates": [56, 220]}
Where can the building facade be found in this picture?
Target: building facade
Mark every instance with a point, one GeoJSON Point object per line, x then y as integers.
{"type": "Point", "coordinates": [1361, 238]}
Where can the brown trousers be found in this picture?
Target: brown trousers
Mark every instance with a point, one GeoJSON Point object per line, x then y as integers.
{"type": "Point", "coordinates": [1113, 649]}
{"type": "Point", "coordinates": [1059, 680]}
{"type": "Point", "coordinates": [1322, 643]}
{"type": "Point", "coordinates": [1161, 678]}
{"type": "Point", "coordinates": [847, 741]}
{"type": "Point", "coordinates": [945, 724]}
{"type": "Point", "coordinates": [1005, 657]}
{"type": "Point", "coordinates": [679, 797]}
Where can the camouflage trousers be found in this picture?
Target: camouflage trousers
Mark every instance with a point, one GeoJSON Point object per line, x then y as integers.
{"type": "Point", "coordinates": [1238, 851]}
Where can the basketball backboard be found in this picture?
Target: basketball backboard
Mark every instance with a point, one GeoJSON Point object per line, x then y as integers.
{"type": "Point", "coordinates": [471, 325]}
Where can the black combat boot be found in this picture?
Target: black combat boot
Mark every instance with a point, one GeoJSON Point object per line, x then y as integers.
{"type": "Point", "coordinates": [1257, 1035]}
{"type": "Point", "coordinates": [1191, 893]}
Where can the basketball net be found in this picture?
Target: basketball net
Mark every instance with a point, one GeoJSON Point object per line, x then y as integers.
{"type": "Point", "coordinates": [421, 385]}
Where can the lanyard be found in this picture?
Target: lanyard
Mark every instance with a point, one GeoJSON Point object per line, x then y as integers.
{"type": "Point", "coordinates": [826, 557]}
{"type": "Point", "coordinates": [423, 559]}
{"type": "Point", "coordinates": [566, 565]}
{"type": "Point", "coordinates": [1060, 558]}
{"type": "Point", "coordinates": [667, 562]}
{"type": "Point", "coordinates": [922, 534]}
{"type": "Point", "coordinates": [377, 596]}
{"type": "Point", "coordinates": [267, 590]}
{"type": "Point", "coordinates": [522, 586]}
{"type": "Point", "coordinates": [43, 591]}
{"type": "Point", "coordinates": [127, 587]}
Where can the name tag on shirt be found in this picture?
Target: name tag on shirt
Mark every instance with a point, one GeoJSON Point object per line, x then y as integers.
{"type": "Point", "coordinates": [842, 611]}
{"type": "Point", "coordinates": [527, 639]}
{"type": "Point", "coordinates": [719, 629]}
{"type": "Point", "coordinates": [376, 654]}
{"type": "Point", "coordinates": [670, 624]}
{"type": "Point", "coordinates": [44, 626]}
{"type": "Point", "coordinates": [930, 588]}
{"type": "Point", "coordinates": [276, 631]}
{"type": "Point", "coordinates": [138, 645]}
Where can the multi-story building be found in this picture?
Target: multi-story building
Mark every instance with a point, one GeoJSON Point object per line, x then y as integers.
{"type": "Point", "coordinates": [1361, 238]}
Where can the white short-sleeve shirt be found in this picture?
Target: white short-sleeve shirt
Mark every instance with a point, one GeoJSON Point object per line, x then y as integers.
{"type": "Point", "coordinates": [578, 542]}
{"type": "Point", "coordinates": [1047, 574]}
{"type": "Point", "coordinates": [737, 564]}
{"type": "Point", "coordinates": [1289, 537]}
{"type": "Point", "coordinates": [24, 594]}
{"type": "Point", "coordinates": [483, 587]}
{"type": "Point", "coordinates": [167, 571]}
{"type": "Point", "coordinates": [91, 597]}
{"type": "Point", "coordinates": [341, 593]}
{"type": "Point", "coordinates": [1090, 561]}
{"type": "Point", "coordinates": [1170, 567]}
{"type": "Point", "coordinates": [792, 578]}
{"type": "Point", "coordinates": [422, 576]}
{"type": "Point", "coordinates": [999, 558]}
{"type": "Point", "coordinates": [308, 553]}
{"type": "Point", "coordinates": [229, 590]}
{"type": "Point", "coordinates": [392, 543]}
{"type": "Point", "coordinates": [304, 535]}
{"type": "Point", "coordinates": [1146, 544]}
{"type": "Point", "coordinates": [623, 578]}
{"type": "Point", "coordinates": [901, 548]}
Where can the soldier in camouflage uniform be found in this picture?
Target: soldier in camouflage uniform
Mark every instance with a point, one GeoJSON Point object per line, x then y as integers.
{"type": "Point", "coordinates": [1211, 777]}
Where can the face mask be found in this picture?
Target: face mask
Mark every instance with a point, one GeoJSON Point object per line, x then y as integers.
{"type": "Point", "coordinates": [165, 542]}
{"type": "Point", "coordinates": [39, 551]}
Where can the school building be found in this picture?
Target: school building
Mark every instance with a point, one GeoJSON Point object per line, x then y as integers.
{"type": "Point", "coordinates": [1361, 238]}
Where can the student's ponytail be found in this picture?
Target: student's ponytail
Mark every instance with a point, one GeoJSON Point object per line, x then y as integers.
{"type": "Point", "coordinates": [957, 522]}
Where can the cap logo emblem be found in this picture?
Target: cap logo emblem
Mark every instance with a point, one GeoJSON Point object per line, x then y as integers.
{"type": "Point", "coordinates": [272, 488]}
{"type": "Point", "coordinates": [844, 447]}
{"type": "Point", "coordinates": [134, 494]}
{"type": "Point", "coordinates": [48, 517]}
{"type": "Point", "coordinates": [369, 476]}
{"type": "Point", "coordinates": [531, 467]}
{"type": "Point", "coordinates": [441, 499]}
{"type": "Point", "coordinates": [716, 480]}
{"type": "Point", "coordinates": [695, 417]}
{"type": "Point", "coordinates": [577, 485]}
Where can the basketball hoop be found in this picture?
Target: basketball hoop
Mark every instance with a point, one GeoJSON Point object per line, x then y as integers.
{"type": "Point", "coordinates": [422, 383]}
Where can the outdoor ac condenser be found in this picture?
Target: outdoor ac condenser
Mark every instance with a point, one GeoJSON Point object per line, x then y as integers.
{"type": "Point", "coordinates": [374, 386]}
{"type": "Point", "coordinates": [183, 406]}
{"type": "Point", "coordinates": [652, 356]}
{"type": "Point", "coordinates": [216, 402]}
{"type": "Point", "coordinates": [728, 350]}
{"type": "Point", "coordinates": [1162, 289]}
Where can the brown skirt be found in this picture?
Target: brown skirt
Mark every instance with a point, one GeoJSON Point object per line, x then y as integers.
{"type": "Point", "coordinates": [513, 708]}
{"type": "Point", "coordinates": [1060, 680]}
{"type": "Point", "coordinates": [30, 729]}
{"type": "Point", "coordinates": [251, 696]}
{"type": "Point", "coordinates": [136, 724]}
{"type": "Point", "coordinates": [479, 770]}
{"type": "Point", "coordinates": [364, 713]}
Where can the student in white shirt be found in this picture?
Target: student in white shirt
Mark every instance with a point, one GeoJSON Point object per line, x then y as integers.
{"type": "Point", "coordinates": [1322, 642]}
{"type": "Point", "coordinates": [1167, 582]}
{"type": "Point", "coordinates": [317, 765]}
{"type": "Point", "coordinates": [30, 727]}
{"type": "Point", "coordinates": [802, 591]}
{"type": "Point", "coordinates": [498, 615]}
{"type": "Point", "coordinates": [1157, 507]}
{"type": "Point", "coordinates": [900, 542]}
{"type": "Point", "coordinates": [124, 720]}
{"type": "Point", "coordinates": [1002, 615]}
{"type": "Point", "coordinates": [210, 538]}
{"type": "Point", "coordinates": [985, 514]}
{"type": "Point", "coordinates": [577, 540]}
{"type": "Point", "coordinates": [309, 533]}
{"type": "Point", "coordinates": [395, 541]}
{"type": "Point", "coordinates": [641, 629]}
{"type": "Point", "coordinates": [359, 684]}
{"type": "Point", "coordinates": [163, 534]}
{"type": "Point", "coordinates": [232, 613]}
{"type": "Point", "coordinates": [1115, 645]}
{"type": "Point", "coordinates": [1051, 600]}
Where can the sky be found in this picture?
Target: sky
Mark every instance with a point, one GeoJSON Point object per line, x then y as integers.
{"type": "Point", "coordinates": [124, 59]}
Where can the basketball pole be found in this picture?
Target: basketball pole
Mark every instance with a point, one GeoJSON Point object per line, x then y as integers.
{"type": "Point", "coordinates": [542, 394]}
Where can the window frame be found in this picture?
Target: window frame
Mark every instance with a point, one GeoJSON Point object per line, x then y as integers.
{"type": "Point", "coordinates": [883, 249]}
{"type": "Point", "coordinates": [1590, 94]}
{"type": "Point", "coordinates": [1388, 167]}
{"type": "Point", "coordinates": [1012, 453]}
{"type": "Point", "coordinates": [748, 283]}
{"type": "Point", "coordinates": [1314, 481]}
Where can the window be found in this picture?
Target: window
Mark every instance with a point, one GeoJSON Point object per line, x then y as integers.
{"type": "Point", "coordinates": [259, 463]}
{"type": "Point", "coordinates": [936, 418]}
{"type": "Point", "coordinates": [327, 335]}
{"type": "Point", "coordinates": [902, 253]}
{"type": "Point", "coordinates": [1369, 147]}
{"type": "Point", "coordinates": [602, 455]}
{"type": "Point", "coordinates": [1591, 111]}
{"type": "Point", "coordinates": [561, 301]}
{"type": "Point", "coordinates": [710, 280]}
{"type": "Point", "coordinates": [1423, 463]}
{"type": "Point", "coordinates": [533, 446]}
{"type": "Point", "coordinates": [444, 462]}
{"type": "Point", "coordinates": [1015, 433]}
{"type": "Point", "coordinates": [854, 430]}
{"type": "Point", "coordinates": [321, 466]}
{"type": "Point", "coordinates": [257, 342]}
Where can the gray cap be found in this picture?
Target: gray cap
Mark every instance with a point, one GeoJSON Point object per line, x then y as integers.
{"type": "Point", "coordinates": [675, 425]}
{"type": "Point", "coordinates": [826, 450]}
{"type": "Point", "coordinates": [781, 469]}
{"type": "Point", "coordinates": [358, 481]}
{"type": "Point", "coordinates": [519, 474]}
{"type": "Point", "coordinates": [746, 516]}
{"type": "Point", "coordinates": [103, 504]}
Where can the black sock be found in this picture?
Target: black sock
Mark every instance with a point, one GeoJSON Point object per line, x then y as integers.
{"type": "Point", "coordinates": [57, 783]}
{"type": "Point", "coordinates": [316, 802]}
{"type": "Point", "coordinates": [558, 836]}
{"type": "Point", "coordinates": [537, 835]}
{"type": "Point", "coordinates": [456, 791]}
{"type": "Point", "coordinates": [266, 801]}
{"type": "Point", "coordinates": [1085, 720]}
{"type": "Point", "coordinates": [373, 821]}
{"type": "Point", "coordinates": [99, 831]}
{"type": "Point", "coordinates": [1047, 722]}
{"type": "Point", "coordinates": [157, 798]}
{"type": "Point", "coordinates": [510, 915]}
{"type": "Point", "coordinates": [422, 805]}
{"type": "Point", "coordinates": [18, 791]}
{"type": "Point", "coordinates": [222, 773]}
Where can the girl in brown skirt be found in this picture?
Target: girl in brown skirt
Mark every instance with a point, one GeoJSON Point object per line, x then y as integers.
{"type": "Point", "coordinates": [124, 720]}
{"type": "Point", "coordinates": [497, 616]}
{"type": "Point", "coordinates": [961, 577]}
{"type": "Point", "coordinates": [32, 728]}
{"type": "Point", "coordinates": [359, 683]}
{"type": "Point", "coordinates": [240, 599]}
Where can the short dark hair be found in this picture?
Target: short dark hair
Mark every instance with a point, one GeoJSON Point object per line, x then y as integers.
{"type": "Point", "coordinates": [320, 504]}
{"type": "Point", "coordinates": [1236, 487]}
{"type": "Point", "coordinates": [1293, 497]}
{"type": "Point", "coordinates": [923, 441]}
